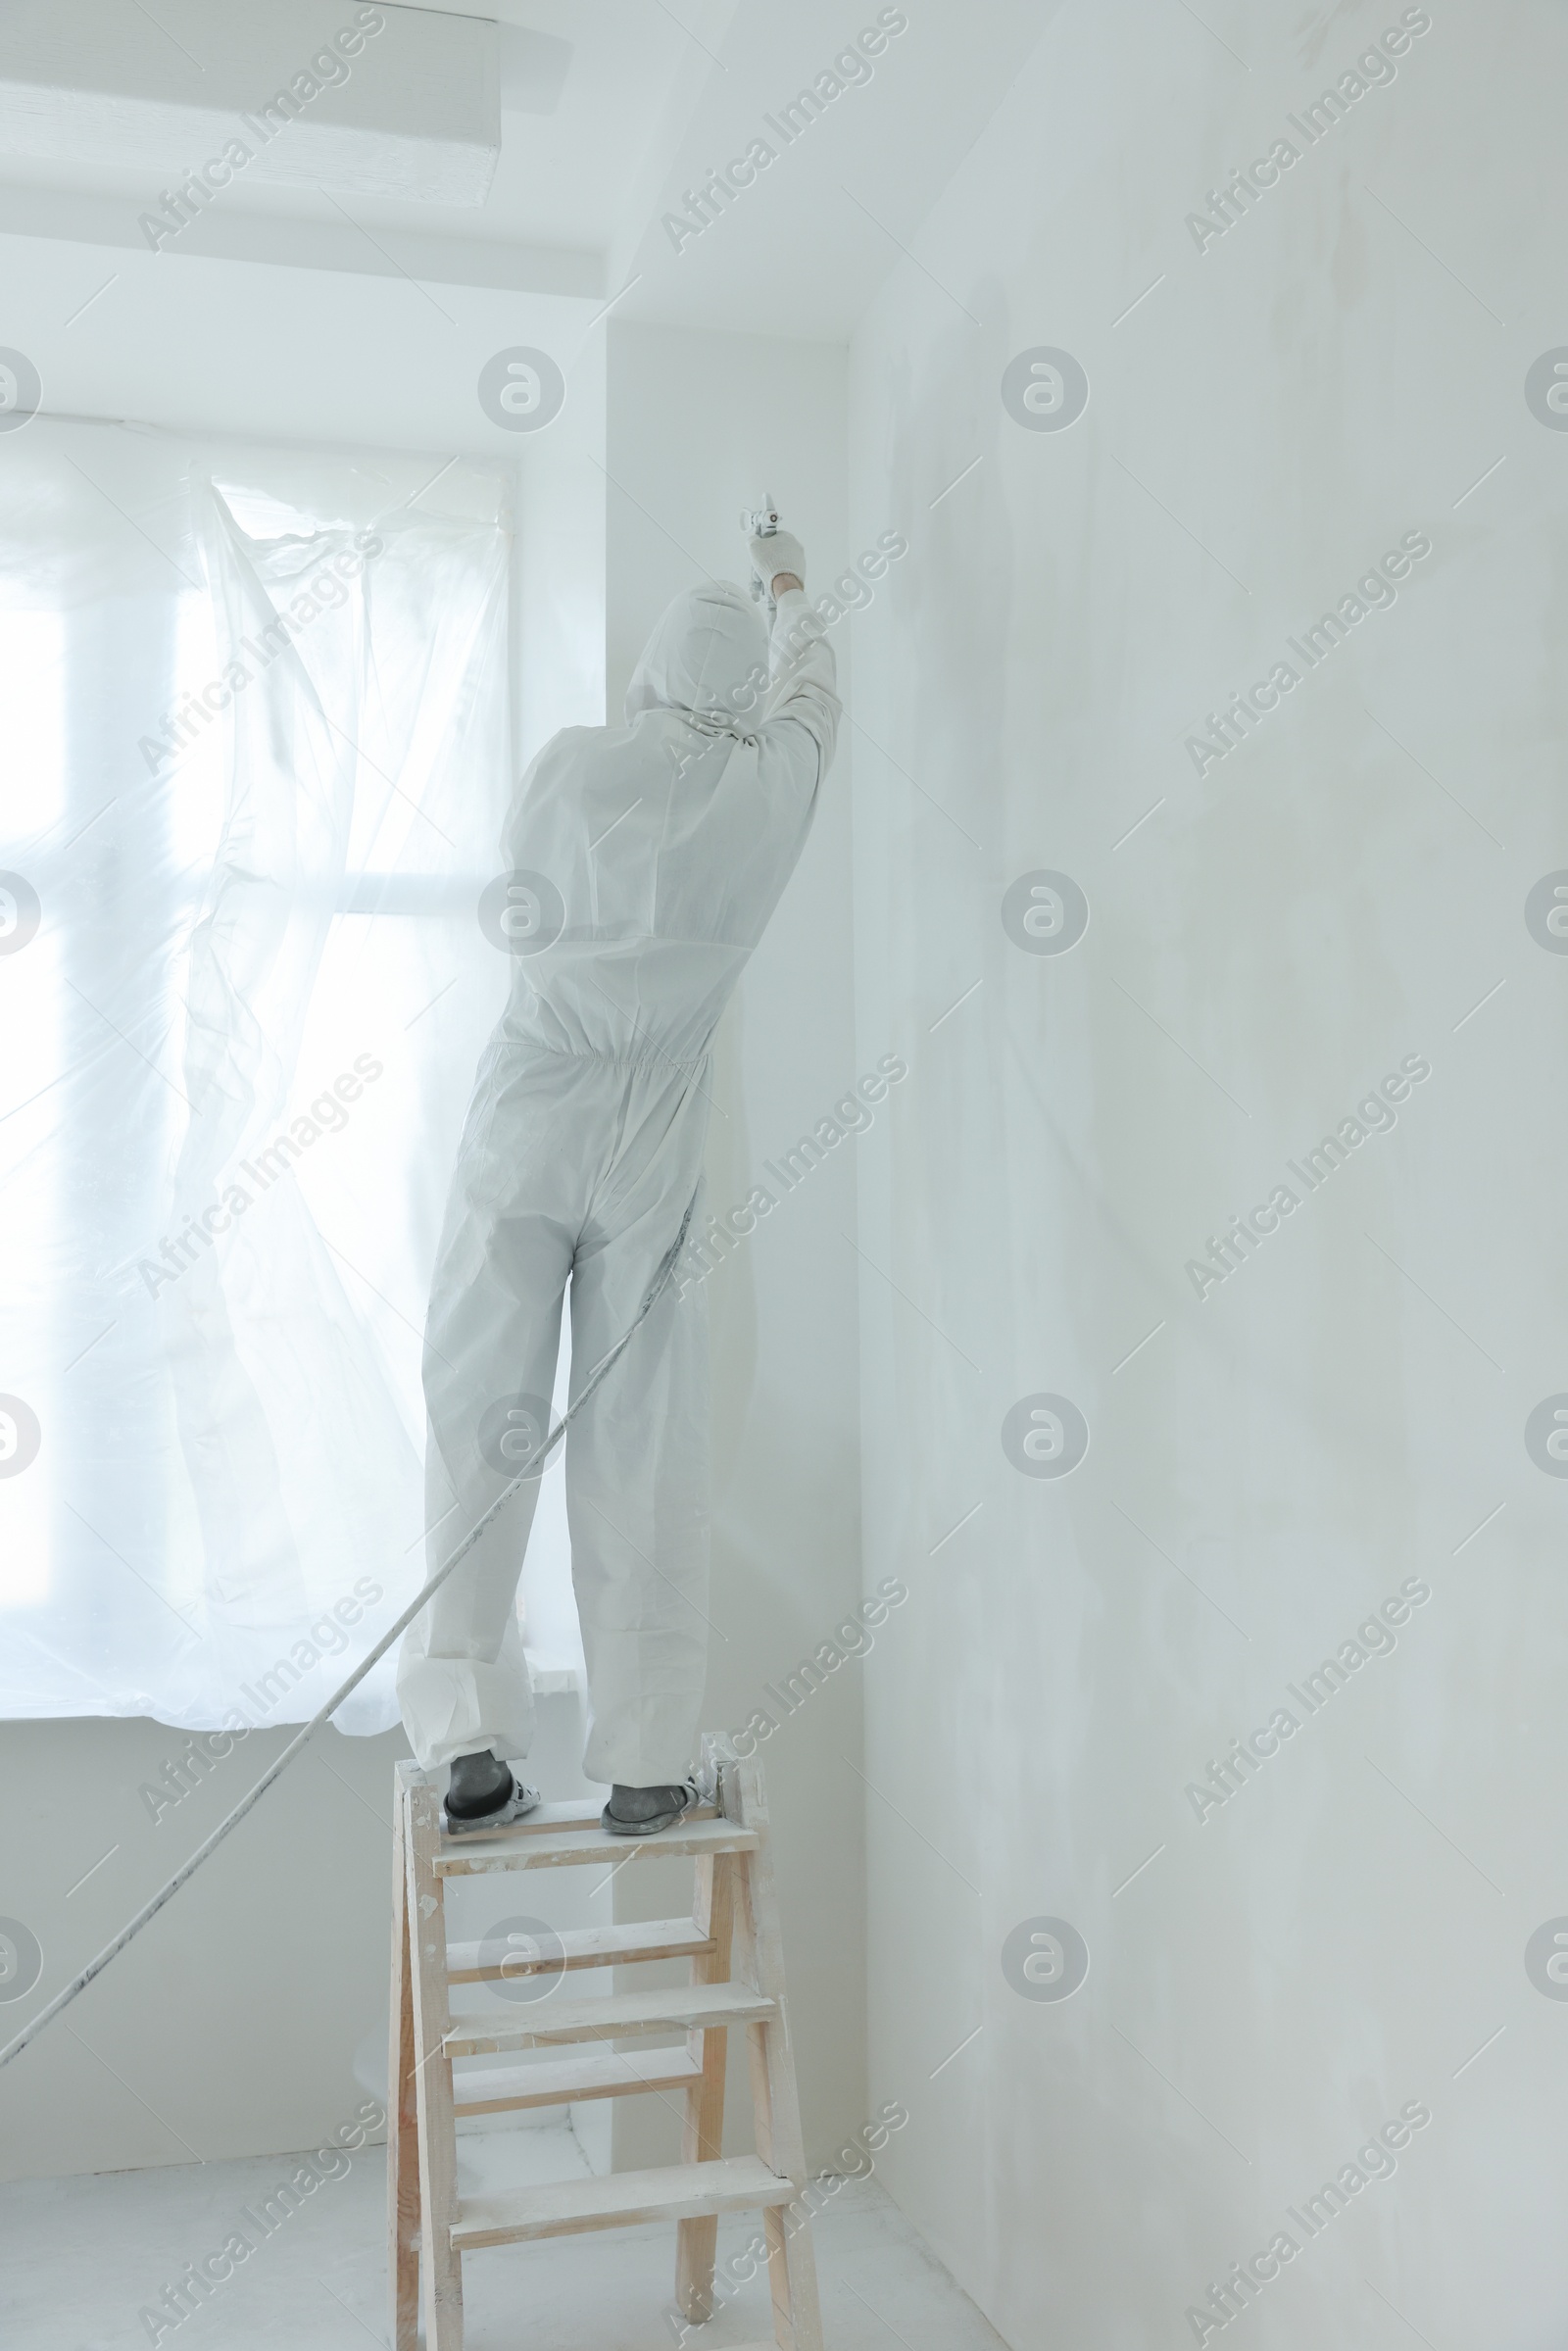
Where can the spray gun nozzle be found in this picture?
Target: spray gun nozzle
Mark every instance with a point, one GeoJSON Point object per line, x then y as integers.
{"type": "Point", "coordinates": [760, 523]}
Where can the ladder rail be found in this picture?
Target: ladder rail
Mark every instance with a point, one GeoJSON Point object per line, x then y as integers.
{"type": "Point", "coordinates": [703, 2134]}
{"type": "Point", "coordinates": [403, 2127]}
{"type": "Point", "coordinates": [775, 2102]}
{"type": "Point", "coordinates": [437, 2123]}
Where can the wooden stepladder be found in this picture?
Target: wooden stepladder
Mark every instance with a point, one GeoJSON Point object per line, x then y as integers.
{"type": "Point", "coordinates": [737, 1977]}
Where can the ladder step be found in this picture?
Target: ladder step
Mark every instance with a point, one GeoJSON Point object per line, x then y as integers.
{"type": "Point", "coordinates": [551, 1848]}
{"type": "Point", "coordinates": [585, 1946]}
{"type": "Point", "coordinates": [687, 2009]}
{"type": "Point", "coordinates": [681, 2192]}
{"type": "Point", "coordinates": [503, 2089]}
{"type": "Point", "coordinates": [548, 1820]}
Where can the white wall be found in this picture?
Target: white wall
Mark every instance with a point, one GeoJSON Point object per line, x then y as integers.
{"type": "Point", "coordinates": [699, 426]}
{"type": "Point", "coordinates": [1339, 1415]}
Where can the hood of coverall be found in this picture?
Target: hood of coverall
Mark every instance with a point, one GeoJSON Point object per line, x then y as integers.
{"type": "Point", "coordinates": [704, 657]}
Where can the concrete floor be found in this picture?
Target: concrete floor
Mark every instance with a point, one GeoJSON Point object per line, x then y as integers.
{"type": "Point", "coordinates": [81, 2257]}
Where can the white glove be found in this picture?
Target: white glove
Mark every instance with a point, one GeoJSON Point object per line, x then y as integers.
{"type": "Point", "coordinates": [781, 552]}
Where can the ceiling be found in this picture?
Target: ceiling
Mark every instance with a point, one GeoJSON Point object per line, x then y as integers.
{"type": "Point", "coordinates": [608, 109]}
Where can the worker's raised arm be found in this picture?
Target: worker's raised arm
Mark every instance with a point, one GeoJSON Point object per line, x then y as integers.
{"type": "Point", "coordinates": [802, 710]}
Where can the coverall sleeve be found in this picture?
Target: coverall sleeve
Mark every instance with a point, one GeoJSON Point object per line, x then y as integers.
{"type": "Point", "coordinates": [802, 710]}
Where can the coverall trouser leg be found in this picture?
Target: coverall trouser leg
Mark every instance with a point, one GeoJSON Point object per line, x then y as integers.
{"type": "Point", "coordinates": [582, 1169]}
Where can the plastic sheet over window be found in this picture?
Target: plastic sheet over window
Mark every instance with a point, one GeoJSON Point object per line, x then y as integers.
{"type": "Point", "coordinates": [257, 759]}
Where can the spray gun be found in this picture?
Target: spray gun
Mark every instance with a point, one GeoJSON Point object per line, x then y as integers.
{"type": "Point", "coordinates": [759, 523]}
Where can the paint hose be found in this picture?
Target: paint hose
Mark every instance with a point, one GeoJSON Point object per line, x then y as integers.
{"type": "Point", "coordinates": [535, 1462]}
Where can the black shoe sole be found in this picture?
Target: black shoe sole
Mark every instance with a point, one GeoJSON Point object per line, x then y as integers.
{"type": "Point", "coordinates": [649, 1828]}
{"type": "Point", "coordinates": [521, 1801]}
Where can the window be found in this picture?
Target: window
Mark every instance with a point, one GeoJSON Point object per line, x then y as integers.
{"type": "Point", "coordinates": [258, 755]}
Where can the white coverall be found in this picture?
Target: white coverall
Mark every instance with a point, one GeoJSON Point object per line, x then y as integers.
{"type": "Point", "coordinates": [666, 843]}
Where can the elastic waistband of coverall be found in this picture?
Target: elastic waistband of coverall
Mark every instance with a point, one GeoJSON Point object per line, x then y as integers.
{"type": "Point", "coordinates": [651, 1057]}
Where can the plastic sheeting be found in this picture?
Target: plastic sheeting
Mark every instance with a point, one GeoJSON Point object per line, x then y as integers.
{"type": "Point", "coordinates": [257, 714]}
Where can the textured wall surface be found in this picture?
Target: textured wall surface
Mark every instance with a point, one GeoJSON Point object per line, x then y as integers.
{"type": "Point", "coordinates": [1313, 922]}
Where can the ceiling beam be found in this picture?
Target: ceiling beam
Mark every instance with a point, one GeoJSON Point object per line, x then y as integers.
{"type": "Point", "coordinates": [374, 100]}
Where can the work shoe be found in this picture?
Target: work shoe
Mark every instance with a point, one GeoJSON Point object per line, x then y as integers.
{"type": "Point", "coordinates": [644, 1811]}
{"type": "Point", "coordinates": [483, 1794]}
